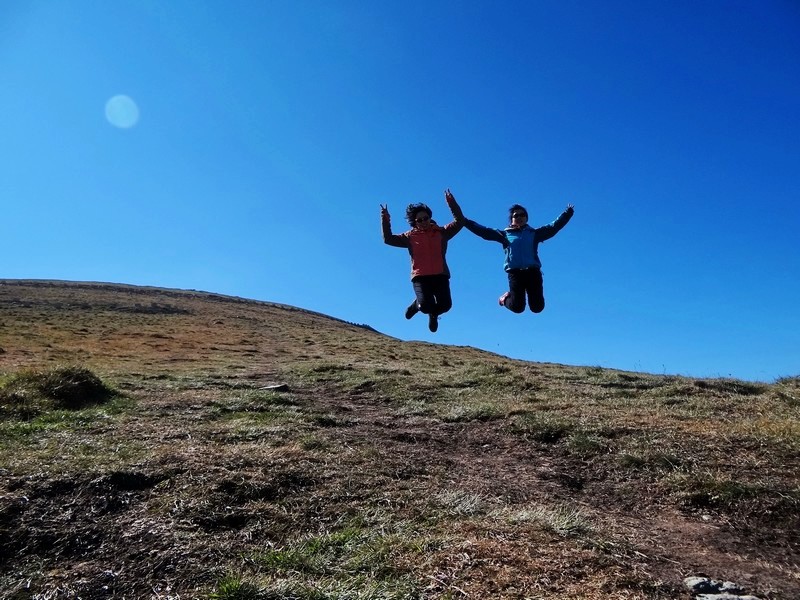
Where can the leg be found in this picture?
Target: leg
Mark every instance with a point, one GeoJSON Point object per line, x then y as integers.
{"type": "Point", "coordinates": [515, 301]}
{"type": "Point", "coordinates": [444, 301]}
{"type": "Point", "coordinates": [425, 291]}
{"type": "Point", "coordinates": [535, 289]}
{"type": "Point", "coordinates": [412, 309]}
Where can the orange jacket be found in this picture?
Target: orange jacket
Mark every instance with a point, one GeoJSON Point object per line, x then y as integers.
{"type": "Point", "coordinates": [427, 247]}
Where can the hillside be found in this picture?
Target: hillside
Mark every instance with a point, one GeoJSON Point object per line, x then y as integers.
{"type": "Point", "coordinates": [243, 449]}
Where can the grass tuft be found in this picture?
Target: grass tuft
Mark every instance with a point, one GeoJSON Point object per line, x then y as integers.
{"type": "Point", "coordinates": [541, 427]}
{"type": "Point", "coordinates": [461, 503]}
{"type": "Point", "coordinates": [31, 393]}
{"type": "Point", "coordinates": [561, 519]}
{"type": "Point", "coordinates": [234, 587]}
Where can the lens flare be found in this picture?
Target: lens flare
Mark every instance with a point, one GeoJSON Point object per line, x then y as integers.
{"type": "Point", "coordinates": [122, 112]}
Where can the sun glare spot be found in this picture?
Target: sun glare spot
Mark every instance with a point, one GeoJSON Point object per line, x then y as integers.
{"type": "Point", "coordinates": [122, 112]}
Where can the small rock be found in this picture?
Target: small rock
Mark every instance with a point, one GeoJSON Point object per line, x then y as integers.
{"type": "Point", "coordinates": [702, 585]}
{"type": "Point", "coordinates": [731, 588]}
{"type": "Point", "coordinates": [705, 588]}
{"type": "Point", "coordinates": [725, 596]}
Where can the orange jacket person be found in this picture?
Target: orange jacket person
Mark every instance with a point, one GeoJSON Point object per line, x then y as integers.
{"type": "Point", "coordinates": [427, 244]}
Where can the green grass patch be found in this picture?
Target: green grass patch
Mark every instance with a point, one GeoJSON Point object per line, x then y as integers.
{"type": "Point", "coordinates": [355, 561]}
{"type": "Point", "coordinates": [30, 393]}
{"type": "Point", "coordinates": [472, 411]}
{"type": "Point", "coordinates": [263, 407]}
{"type": "Point", "coordinates": [236, 587]}
{"type": "Point", "coordinates": [586, 444]}
{"type": "Point", "coordinates": [541, 427]}
{"type": "Point", "coordinates": [649, 461]}
{"type": "Point", "coordinates": [19, 431]}
{"type": "Point", "coordinates": [712, 490]}
{"type": "Point", "coordinates": [345, 375]}
{"type": "Point", "coordinates": [327, 588]}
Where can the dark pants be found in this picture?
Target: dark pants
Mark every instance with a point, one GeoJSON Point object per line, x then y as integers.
{"type": "Point", "coordinates": [433, 294]}
{"type": "Point", "coordinates": [522, 282]}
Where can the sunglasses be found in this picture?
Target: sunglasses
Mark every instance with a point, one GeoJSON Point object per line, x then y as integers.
{"type": "Point", "coordinates": [422, 219]}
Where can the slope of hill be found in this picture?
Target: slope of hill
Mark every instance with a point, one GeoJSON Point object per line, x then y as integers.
{"type": "Point", "coordinates": [252, 450]}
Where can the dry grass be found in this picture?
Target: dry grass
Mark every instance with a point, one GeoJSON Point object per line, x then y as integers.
{"type": "Point", "coordinates": [382, 470]}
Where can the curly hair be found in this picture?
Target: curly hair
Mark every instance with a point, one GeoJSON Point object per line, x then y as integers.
{"type": "Point", "coordinates": [413, 209]}
{"type": "Point", "coordinates": [516, 207]}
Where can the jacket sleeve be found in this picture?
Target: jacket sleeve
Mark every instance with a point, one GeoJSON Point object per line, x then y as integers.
{"type": "Point", "coordinates": [452, 228]}
{"type": "Point", "coordinates": [391, 239]}
{"type": "Point", "coordinates": [488, 234]}
{"type": "Point", "coordinates": [548, 231]}
{"type": "Point", "coordinates": [458, 214]}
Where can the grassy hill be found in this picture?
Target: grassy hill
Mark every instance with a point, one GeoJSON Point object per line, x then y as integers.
{"type": "Point", "coordinates": [175, 444]}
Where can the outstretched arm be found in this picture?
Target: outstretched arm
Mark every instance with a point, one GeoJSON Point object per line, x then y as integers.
{"type": "Point", "coordinates": [386, 228]}
{"type": "Point", "coordinates": [486, 233]}
{"type": "Point", "coordinates": [548, 231]}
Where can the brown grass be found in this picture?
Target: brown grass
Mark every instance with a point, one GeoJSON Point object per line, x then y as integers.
{"type": "Point", "coordinates": [386, 469]}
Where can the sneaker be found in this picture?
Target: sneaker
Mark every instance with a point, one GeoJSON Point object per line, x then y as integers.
{"type": "Point", "coordinates": [412, 309]}
{"type": "Point", "coordinates": [502, 299]}
{"type": "Point", "coordinates": [433, 323]}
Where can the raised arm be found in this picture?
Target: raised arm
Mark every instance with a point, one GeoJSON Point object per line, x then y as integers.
{"type": "Point", "coordinates": [386, 228]}
{"type": "Point", "coordinates": [548, 231]}
{"type": "Point", "coordinates": [458, 214]}
{"type": "Point", "coordinates": [452, 228]}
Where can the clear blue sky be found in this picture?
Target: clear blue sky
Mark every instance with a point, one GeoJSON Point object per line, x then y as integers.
{"type": "Point", "coordinates": [268, 133]}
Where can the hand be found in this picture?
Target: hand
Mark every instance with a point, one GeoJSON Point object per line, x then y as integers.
{"type": "Point", "coordinates": [448, 196]}
{"type": "Point", "coordinates": [570, 207]}
{"type": "Point", "coordinates": [384, 212]}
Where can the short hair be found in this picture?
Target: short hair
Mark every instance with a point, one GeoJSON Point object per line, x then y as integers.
{"type": "Point", "coordinates": [413, 209]}
{"type": "Point", "coordinates": [515, 207]}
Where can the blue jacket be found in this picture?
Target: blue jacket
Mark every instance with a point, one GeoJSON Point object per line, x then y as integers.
{"type": "Point", "coordinates": [521, 245]}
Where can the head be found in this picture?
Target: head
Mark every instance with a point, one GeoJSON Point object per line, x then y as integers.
{"type": "Point", "coordinates": [517, 216]}
{"type": "Point", "coordinates": [419, 215]}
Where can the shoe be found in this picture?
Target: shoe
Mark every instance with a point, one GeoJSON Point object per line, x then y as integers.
{"type": "Point", "coordinates": [412, 309]}
{"type": "Point", "coordinates": [433, 323]}
{"type": "Point", "coordinates": [502, 299]}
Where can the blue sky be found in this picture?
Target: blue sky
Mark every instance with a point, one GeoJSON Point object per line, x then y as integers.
{"type": "Point", "coordinates": [268, 133]}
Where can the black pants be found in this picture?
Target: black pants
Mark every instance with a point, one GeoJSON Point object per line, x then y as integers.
{"type": "Point", "coordinates": [522, 282]}
{"type": "Point", "coordinates": [433, 294]}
